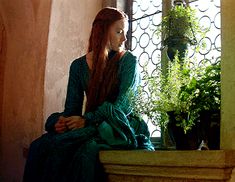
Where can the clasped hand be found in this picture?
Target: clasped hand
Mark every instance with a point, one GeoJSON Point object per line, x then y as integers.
{"type": "Point", "coordinates": [69, 123]}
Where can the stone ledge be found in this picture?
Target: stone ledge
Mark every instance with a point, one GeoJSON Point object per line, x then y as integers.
{"type": "Point", "coordinates": [217, 165]}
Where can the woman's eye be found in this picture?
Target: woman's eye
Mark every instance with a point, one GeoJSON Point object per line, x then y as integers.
{"type": "Point", "coordinates": [119, 32]}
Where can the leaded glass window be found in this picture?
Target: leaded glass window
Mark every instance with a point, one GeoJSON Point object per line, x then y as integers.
{"type": "Point", "coordinates": [146, 16]}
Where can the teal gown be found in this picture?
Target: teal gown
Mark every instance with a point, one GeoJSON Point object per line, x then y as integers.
{"type": "Point", "coordinates": [73, 156]}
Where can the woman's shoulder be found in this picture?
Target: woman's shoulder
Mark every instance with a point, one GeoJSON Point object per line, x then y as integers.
{"type": "Point", "coordinates": [128, 54]}
{"type": "Point", "coordinates": [78, 63]}
{"type": "Point", "coordinates": [129, 58]}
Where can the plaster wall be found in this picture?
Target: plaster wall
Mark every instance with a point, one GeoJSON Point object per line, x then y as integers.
{"type": "Point", "coordinates": [68, 39]}
{"type": "Point", "coordinates": [22, 59]}
{"type": "Point", "coordinates": [2, 62]}
{"type": "Point", "coordinates": [228, 75]}
{"type": "Point", "coordinates": [34, 68]}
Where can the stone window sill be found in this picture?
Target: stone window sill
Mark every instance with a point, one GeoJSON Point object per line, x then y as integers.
{"type": "Point", "coordinates": [146, 166]}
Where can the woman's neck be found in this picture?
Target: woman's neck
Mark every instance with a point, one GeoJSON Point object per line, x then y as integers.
{"type": "Point", "coordinates": [111, 54]}
{"type": "Point", "coordinates": [89, 58]}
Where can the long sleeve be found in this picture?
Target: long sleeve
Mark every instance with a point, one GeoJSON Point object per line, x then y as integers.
{"type": "Point", "coordinates": [114, 126]}
{"type": "Point", "coordinates": [51, 121]}
{"type": "Point", "coordinates": [74, 96]}
{"type": "Point", "coordinates": [129, 79]}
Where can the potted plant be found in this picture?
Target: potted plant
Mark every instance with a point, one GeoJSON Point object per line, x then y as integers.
{"type": "Point", "coordinates": [180, 28]}
{"type": "Point", "coordinates": [207, 104]}
{"type": "Point", "coordinates": [180, 98]}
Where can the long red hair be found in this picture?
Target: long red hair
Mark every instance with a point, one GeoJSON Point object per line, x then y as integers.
{"type": "Point", "coordinates": [103, 78]}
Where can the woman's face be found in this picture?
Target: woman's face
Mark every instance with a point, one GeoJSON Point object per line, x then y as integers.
{"type": "Point", "coordinates": [117, 35]}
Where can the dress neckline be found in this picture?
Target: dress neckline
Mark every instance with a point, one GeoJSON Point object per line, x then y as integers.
{"type": "Point", "coordinates": [87, 64]}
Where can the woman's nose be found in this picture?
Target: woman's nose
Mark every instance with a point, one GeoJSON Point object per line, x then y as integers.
{"type": "Point", "coordinates": [124, 37]}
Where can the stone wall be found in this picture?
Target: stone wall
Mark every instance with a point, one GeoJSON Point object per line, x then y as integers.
{"type": "Point", "coordinates": [228, 75]}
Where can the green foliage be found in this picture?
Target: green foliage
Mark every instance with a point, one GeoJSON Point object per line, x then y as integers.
{"type": "Point", "coordinates": [184, 90]}
{"type": "Point", "coordinates": [181, 23]}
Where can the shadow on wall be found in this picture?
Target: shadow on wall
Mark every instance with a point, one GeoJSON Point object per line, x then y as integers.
{"type": "Point", "coordinates": [24, 27]}
{"type": "Point", "coordinates": [2, 63]}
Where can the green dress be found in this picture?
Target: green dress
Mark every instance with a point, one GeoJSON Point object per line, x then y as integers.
{"type": "Point", "coordinates": [73, 155]}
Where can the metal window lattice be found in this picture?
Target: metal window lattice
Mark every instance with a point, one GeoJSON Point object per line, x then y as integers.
{"type": "Point", "coordinates": [146, 17]}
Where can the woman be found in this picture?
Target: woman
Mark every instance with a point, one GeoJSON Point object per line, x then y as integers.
{"type": "Point", "coordinates": [107, 75]}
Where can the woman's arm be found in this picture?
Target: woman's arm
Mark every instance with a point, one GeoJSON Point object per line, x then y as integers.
{"type": "Point", "coordinates": [111, 118]}
{"type": "Point", "coordinates": [129, 79]}
{"type": "Point", "coordinates": [75, 94]}
{"type": "Point", "coordinates": [73, 103]}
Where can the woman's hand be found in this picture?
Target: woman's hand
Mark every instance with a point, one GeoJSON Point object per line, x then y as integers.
{"type": "Point", "coordinates": [60, 126]}
{"type": "Point", "coordinates": [75, 122]}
